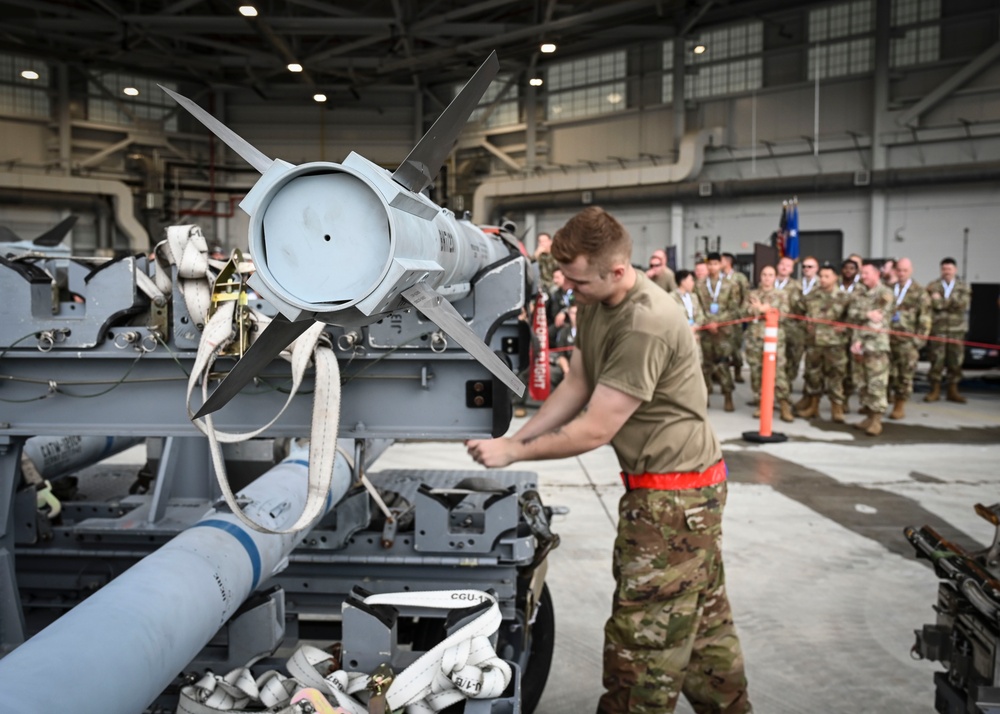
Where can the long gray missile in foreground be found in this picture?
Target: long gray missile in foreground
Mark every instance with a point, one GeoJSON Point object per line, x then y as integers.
{"type": "Point", "coordinates": [126, 643]}
{"type": "Point", "coordinates": [348, 243]}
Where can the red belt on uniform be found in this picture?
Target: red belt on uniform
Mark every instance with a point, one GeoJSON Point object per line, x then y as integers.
{"type": "Point", "coordinates": [677, 480]}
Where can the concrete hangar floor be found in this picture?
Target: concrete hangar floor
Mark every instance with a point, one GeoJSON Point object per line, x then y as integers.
{"type": "Point", "coordinates": [825, 588]}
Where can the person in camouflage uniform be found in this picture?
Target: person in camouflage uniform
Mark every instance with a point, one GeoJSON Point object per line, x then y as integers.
{"type": "Point", "coordinates": [758, 300]}
{"type": "Point", "coordinates": [913, 315]}
{"type": "Point", "coordinates": [546, 263]}
{"type": "Point", "coordinates": [794, 330]}
{"type": "Point", "coordinates": [850, 284]}
{"type": "Point", "coordinates": [634, 383]}
{"type": "Point", "coordinates": [685, 297]}
{"type": "Point", "coordinates": [810, 281]}
{"type": "Point", "coordinates": [871, 310]}
{"type": "Point", "coordinates": [736, 334]}
{"type": "Point", "coordinates": [950, 301]}
{"type": "Point", "coordinates": [660, 273]}
{"type": "Point", "coordinates": [720, 301]}
{"type": "Point", "coordinates": [826, 346]}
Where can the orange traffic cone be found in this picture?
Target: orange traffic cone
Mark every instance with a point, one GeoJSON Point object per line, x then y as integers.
{"type": "Point", "coordinates": [768, 371]}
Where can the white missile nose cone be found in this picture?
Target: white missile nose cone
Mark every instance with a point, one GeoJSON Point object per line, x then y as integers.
{"type": "Point", "coordinates": [326, 238]}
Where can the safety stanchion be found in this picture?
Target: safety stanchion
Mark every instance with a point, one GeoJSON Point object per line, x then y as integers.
{"type": "Point", "coordinates": [768, 371]}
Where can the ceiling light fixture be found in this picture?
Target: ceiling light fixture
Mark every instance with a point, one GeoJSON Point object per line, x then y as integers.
{"type": "Point", "coordinates": [614, 98]}
{"type": "Point", "coordinates": [131, 91]}
{"type": "Point", "coordinates": [699, 49]}
{"type": "Point", "coordinates": [548, 48]}
{"type": "Point", "coordinates": [535, 82]}
{"type": "Point", "coordinates": [29, 74]}
{"type": "Point", "coordinates": [248, 11]}
{"type": "Point", "coordinates": [319, 97]}
{"type": "Point", "coordinates": [294, 67]}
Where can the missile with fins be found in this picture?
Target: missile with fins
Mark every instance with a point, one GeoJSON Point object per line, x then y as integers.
{"type": "Point", "coordinates": [348, 243]}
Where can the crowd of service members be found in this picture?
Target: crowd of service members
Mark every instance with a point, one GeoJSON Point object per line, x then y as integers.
{"type": "Point", "coordinates": [859, 327]}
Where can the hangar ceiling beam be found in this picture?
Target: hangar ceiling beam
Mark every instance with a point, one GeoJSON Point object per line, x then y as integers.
{"type": "Point", "coordinates": [943, 90]}
{"type": "Point", "coordinates": [179, 6]}
{"type": "Point", "coordinates": [601, 14]}
{"type": "Point", "coordinates": [502, 155]}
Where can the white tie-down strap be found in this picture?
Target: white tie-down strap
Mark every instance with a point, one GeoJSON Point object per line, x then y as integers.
{"type": "Point", "coordinates": [239, 693]}
{"type": "Point", "coordinates": [185, 247]}
{"type": "Point", "coordinates": [305, 666]}
{"type": "Point", "coordinates": [463, 666]}
{"type": "Point", "coordinates": [325, 416]}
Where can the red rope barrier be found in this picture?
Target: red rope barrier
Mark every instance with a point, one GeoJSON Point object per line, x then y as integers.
{"type": "Point", "coordinates": [834, 323]}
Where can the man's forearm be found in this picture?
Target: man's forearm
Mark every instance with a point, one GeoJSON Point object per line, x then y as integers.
{"type": "Point", "coordinates": [568, 399]}
{"type": "Point", "coordinates": [577, 437]}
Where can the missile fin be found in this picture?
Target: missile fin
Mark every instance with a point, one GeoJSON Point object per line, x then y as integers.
{"type": "Point", "coordinates": [426, 158]}
{"type": "Point", "coordinates": [436, 308]}
{"type": "Point", "coordinates": [234, 141]}
{"type": "Point", "coordinates": [54, 236]}
{"type": "Point", "coordinates": [275, 337]}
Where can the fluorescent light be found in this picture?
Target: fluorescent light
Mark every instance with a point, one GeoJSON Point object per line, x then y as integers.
{"type": "Point", "coordinates": [548, 48]}
{"type": "Point", "coordinates": [699, 49]}
{"type": "Point", "coordinates": [29, 74]}
{"type": "Point", "coordinates": [294, 67]}
{"type": "Point", "coordinates": [248, 11]}
{"type": "Point", "coordinates": [535, 82]}
{"type": "Point", "coordinates": [131, 91]}
{"type": "Point", "coordinates": [319, 97]}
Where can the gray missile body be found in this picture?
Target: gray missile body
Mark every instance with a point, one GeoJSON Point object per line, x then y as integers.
{"type": "Point", "coordinates": [127, 642]}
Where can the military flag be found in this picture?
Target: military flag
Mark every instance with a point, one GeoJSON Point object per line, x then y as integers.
{"type": "Point", "coordinates": [792, 234]}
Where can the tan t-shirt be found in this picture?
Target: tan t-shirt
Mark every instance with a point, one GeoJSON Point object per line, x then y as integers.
{"type": "Point", "coordinates": [644, 347]}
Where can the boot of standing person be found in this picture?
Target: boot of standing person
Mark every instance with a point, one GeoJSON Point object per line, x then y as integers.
{"type": "Point", "coordinates": [811, 408]}
{"type": "Point", "coordinates": [898, 409]}
{"type": "Point", "coordinates": [953, 395]}
{"type": "Point", "coordinates": [935, 393]}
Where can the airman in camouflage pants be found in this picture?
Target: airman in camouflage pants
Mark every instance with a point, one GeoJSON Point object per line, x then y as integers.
{"type": "Point", "coordinates": [950, 301]}
{"type": "Point", "coordinates": [758, 301]}
{"type": "Point", "coordinates": [872, 312]}
{"type": "Point", "coordinates": [826, 355]}
{"type": "Point", "coordinates": [912, 316]}
{"type": "Point", "coordinates": [671, 630]}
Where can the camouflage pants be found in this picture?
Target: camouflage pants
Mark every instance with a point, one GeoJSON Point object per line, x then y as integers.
{"type": "Point", "coordinates": [825, 370]}
{"type": "Point", "coordinates": [872, 375]}
{"type": "Point", "coordinates": [736, 345]}
{"type": "Point", "coordinates": [671, 630]}
{"type": "Point", "coordinates": [851, 377]}
{"type": "Point", "coordinates": [947, 355]}
{"type": "Point", "coordinates": [904, 365]}
{"type": "Point", "coordinates": [716, 352]}
{"type": "Point", "coordinates": [795, 348]}
{"type": "Point", "coordinates": [755, 358]}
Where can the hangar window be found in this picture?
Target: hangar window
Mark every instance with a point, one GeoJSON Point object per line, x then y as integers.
{"type": "Point", "coordinates": [729, 61]}
{"type": "Point", "coordinates": [505, 112]}
{"type": "Point", "coordinates": [107, 101]}
{"type": "Point", "coordinates": [916, 22]}
{"type": "Point", "coordinates": [841, 39]}
{"type": "Point", "coordinates": [24, 87]}
{"type": "Point", "coordinates": [668, 72]}
{"type": "Point", "coordinates": [586, 87]}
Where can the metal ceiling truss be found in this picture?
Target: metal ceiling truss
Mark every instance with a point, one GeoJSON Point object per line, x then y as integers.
{"type": "Point", "coordinates": [341, 44]}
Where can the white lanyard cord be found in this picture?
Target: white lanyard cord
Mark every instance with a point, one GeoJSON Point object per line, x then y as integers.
{"type": "Point", "coordinates": [901, 294]}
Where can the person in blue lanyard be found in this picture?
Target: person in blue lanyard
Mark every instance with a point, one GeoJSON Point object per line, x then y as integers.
{"type": "Point", "coordinates": [720, 300]}
{"type": "Point", "coordinates": [684, 294]}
